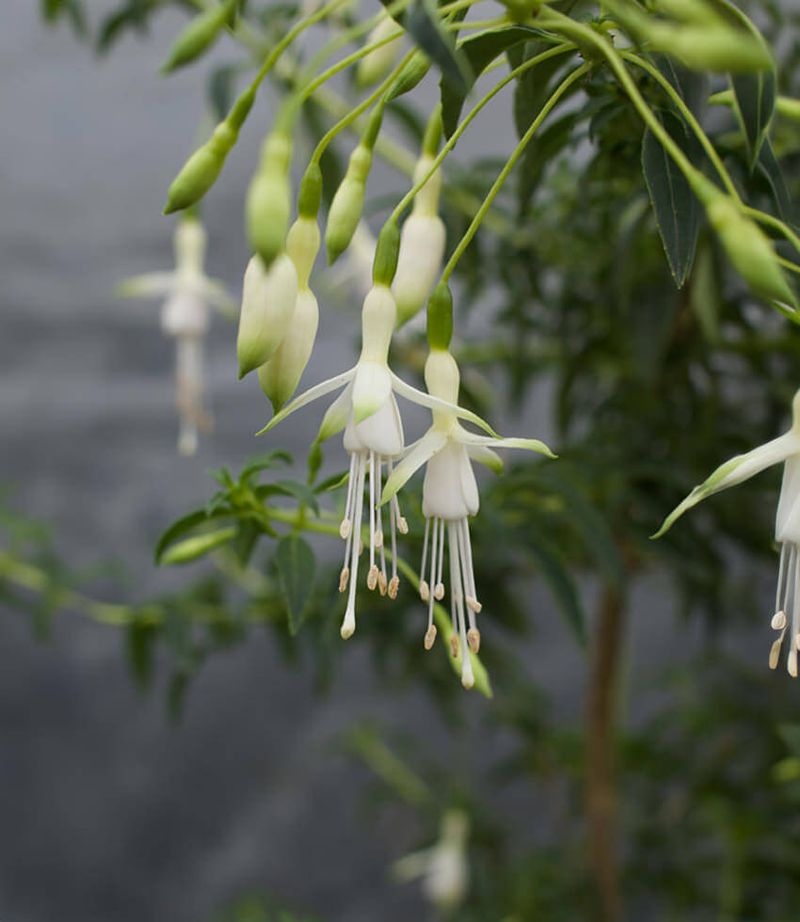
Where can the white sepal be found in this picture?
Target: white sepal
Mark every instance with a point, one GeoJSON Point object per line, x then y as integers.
{"type": "Point", "coordinates": [422, 243]}
{"type": "Point", "coordinates": [280, 376]}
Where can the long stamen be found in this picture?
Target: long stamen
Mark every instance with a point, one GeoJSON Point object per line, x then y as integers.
{"type": "Point", "coordinates": [394, 582]}
{"type": "Point", "coordinates": [382, 579]}
{"type": "Point", "coordinates": [456, 590]}
{"type": "Point", "coordinates": [473, 635]}
{"type": "Point", "coordinates": [346, 525]}
{"type": "Point", "coordinates": [424, 587]}
{"type": "Point", "coordinates": [438, 586]}
{"type": "Point", "coordinates": [356, 466]}
{"type": "Point", "coordinates": [349, 623]}
{"type": "Point", "coordinates": [402, 524]}
{"type": "Point", "coordinates": [430, 634]}
{"type": "Point", "coordinates": [372, 575]}
{"type": "Point", "coordinates": [791, 662]}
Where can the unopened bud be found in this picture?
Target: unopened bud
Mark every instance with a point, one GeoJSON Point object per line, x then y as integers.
{"type": "Point", "coordinates": [199, 35]}
{"type": "Point", "coordinates": [745, 244]}
{"type": "Point", "coordinates": [348, 203]}
{"type": "Point", "coordinates": [422, 243]}
{"type": "Point", "coordinates": [718, 48]}
{"type": "Point", "coordinates": [377, 64]}
{"type": "Point", "coordinates": [280, 376]}
{"type": "Point", "coordinates": [268, 199]}
{"type": "Point", "coordinates": [411, 75]}
{"type": "Point", "coordinates": [268, 304]}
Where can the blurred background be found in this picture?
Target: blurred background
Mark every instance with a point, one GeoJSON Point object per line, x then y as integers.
{"type": "Point", "coordinates": [278, 785]}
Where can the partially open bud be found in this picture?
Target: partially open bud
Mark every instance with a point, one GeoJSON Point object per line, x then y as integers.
{"type": "Point", "coordinates": [268, 303]}
{"type": "Point", "coordinates": [348, 203]}
{"type": "Point", "coordinates": [422, 243]}
{"type": "Point", "coordinates": [745, 244]}
{"type": "Point", "coordinates": [268, 199]}
{"type": "Point", "coordinates": [377, 64]}
{"type": "Point", "coordinates": [280, 376]}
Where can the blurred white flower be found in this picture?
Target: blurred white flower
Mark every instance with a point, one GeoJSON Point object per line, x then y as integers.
{"type": "Point", "coordinates": [783, 450]}
{"type": "Point", "coordinates": [443, 868]}
{"type": "Point", "coordinates": [189, 294]}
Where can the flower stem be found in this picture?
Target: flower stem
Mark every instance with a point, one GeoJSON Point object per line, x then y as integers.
{"type": "Point", "coordinates": [601, 796]}
{"type": "Point", "coordinates": [451, 142]}
{"type": "Point", "coordinates": [560, 90]}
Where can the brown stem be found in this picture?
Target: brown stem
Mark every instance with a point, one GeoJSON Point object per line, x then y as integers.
{"type": "Point", "coordinates": [601, 798]}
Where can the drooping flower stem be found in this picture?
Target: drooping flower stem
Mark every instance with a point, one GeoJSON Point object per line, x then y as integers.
{"type": "Point", "coordinates": [486, 204]}
{"type": "Point", "coordinates": [353, 115]}
{"type": "Point", "coordinates": [451, 142]}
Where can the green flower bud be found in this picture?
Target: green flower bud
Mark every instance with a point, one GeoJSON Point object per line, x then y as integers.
{"type": "Point", "coordinates": [387, 251]}
{"type": "Point", "coordinates": [201, 170]}
{"type": "Point", "coordinates": [280, 376]}
{"type": "Point", "coordinates": [440, 317]}
{"type": "Point", "coordinates": [310, 196]}
{"type": "Point", "coordinates": [348, 203]}
{"type": "Point", "coordinates": [745, 244]}
{"type": "Point", "coordinates": [268, 303]}
{"type": "Point", "coordinates": [412, 74]}
{"type": "Point", "coordinates": [716, 48]}
{"type": "Point", "coordinates": [302, 245]}
{"type": "Point", "coordinates": [377, 64]}
{"type": "Point", "coordinates": [199, 35]}
{"type": "Point", "coordinates": [268, 199]}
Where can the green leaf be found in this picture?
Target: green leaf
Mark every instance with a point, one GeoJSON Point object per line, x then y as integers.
{"type": "Point", "coordinates": [676, 209]}
{"type": "Point", "coordinates": [197, 546]}
{"type": "Point", "coordinates": [769, 169]}
{"type": "Point", "coordinates": [561, 584]}
{"type": "Point", "coordinates": [182, 527]}
{"type": "Point", "coordinates": [295, 565]}
{"type": "Point", "coordinates": [421, 21]}
{"type": "Point", "coordinates": [479, 51]}
{"type": "Point", "coordinates": [265, 462]}
{"type": "Point", "coordinates": [754, 104]}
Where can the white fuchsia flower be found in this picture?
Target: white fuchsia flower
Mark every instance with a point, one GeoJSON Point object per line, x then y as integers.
{"type": "Point", "coordinates": [449, 497]}
{"type": "Point", "coordinates": [443, 868]}
{"type": "Point", "coordinates": [367, 411]}
{"type": "Point", "coordinates": [783, 450]}
{"type": "Point", "coordinates": [189, 294]}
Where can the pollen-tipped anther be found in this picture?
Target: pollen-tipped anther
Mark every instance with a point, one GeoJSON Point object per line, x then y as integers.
{"type": "Point", "coordinates": [344, 529]}
{"type": "Point", "coordinates": [430, 637]}
{"type": "Point", "coordinates": [344, 578]}
{"type": "Point", "coordinates": [454, 646]}
{"type": "Point", "coordinates": [474, 604]}
{"type": "Point", "coordinates": [372, 577]}
{"type": "Point", "coordinates": [394, 587]}
{"type": "Point", "coordinates": [438, 592]}
{"type": "Point", "coordinates": [474, 639]}
{"type": "Point", "coordinates": [424, 590]}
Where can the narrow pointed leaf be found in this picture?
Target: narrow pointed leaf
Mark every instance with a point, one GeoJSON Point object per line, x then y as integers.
{"type": "Point", "coordinates": [296, 565]}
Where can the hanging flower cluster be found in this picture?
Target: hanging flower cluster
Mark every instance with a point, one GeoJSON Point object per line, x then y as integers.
{"type": "Point", "coordinates": [280, 314]}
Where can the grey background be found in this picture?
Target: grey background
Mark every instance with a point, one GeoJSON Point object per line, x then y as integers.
{"type": "Point", "coordinates": [107, 812]}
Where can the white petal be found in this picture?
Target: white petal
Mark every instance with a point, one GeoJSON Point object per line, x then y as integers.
{"type": "Point", "coordinates": [419, 263]}
{"type": "Point", "coordinates": [448, 492]}
{"type": "Point", "coordinates": [433, 403]}
{"type": "Point", "coordinates": [418, 455]}
{"type": "Point", "coordinates": [787, 520]}
{"type": "Point", "coordinates": [735, 471]}
{"type": "Point", "coordinates": [151, 285]}
{"type": "Point", "coordinates": [371, 388]}
{"type": "Point", "coordinates": [280, 376]}
{"type": "Point", "coordinates": [319, 390]}
{"type": "Point", "coordinates": [268, 303]}
{"type": "Point", "coordinates": [382, 432]}
{"type": "Point", "coordinates": [184, 314]}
